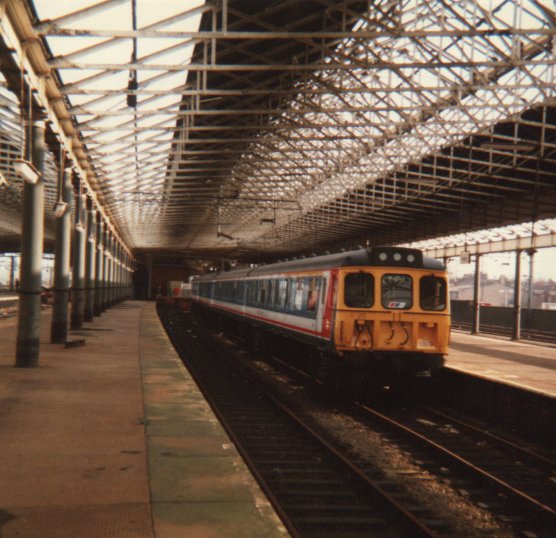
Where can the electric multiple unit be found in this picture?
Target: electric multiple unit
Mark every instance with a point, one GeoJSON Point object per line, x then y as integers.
{"type": "Point", "coordinates": [384, 307]}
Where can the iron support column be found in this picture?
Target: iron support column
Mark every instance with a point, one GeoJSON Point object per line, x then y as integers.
{"type": "Point", "coordinates": [12, 273]}
{"type": "Point", "coordinates": [122, 273]}
{"type": "Point", "coordinates": [149, 277]}
{"type": "Point", "coordinates": [59, 327]}
{"type": "Point", "coordinates": [531, 252]}
{"type": "Point", "coordinates": [105, 268]}
{"type": "Point", "coordinates": [113, 272]}
{"type": "Point", "coordinates": [516, 332]}
{"type": "Point", "coordinates": [110, 270]}
{"type": "Point", "coordinates": [99, 273]}
{"type": "Point", "coordinates": [78, 273]}
{"type": "Point", "coordinates": [129, 294]}
{"type": "Point", "coordinates": [476, 295]}
{"type": "Point", "coordinates": [30, 267]}
{"type": "Point", "coordinates": [118, 272]}
{"type": "Point", "coordinates": [126, 283]}
{"type": "Point", "coordinates": [90, 262]}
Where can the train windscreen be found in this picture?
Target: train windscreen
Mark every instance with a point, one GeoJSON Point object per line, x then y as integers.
{"type": "Point", "coordinates": [397, 291]}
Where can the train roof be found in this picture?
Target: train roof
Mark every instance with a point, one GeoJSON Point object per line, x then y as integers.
{"type": "Point", "coordinates": [372, 256]}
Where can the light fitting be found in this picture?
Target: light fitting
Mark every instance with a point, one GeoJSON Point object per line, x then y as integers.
{"type": "Point", "coordinates": [60, 209]}
{"type": "Point", "coordinates": [26, 170]}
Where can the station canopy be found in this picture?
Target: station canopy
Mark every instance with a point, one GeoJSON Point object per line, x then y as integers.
{"type": "Point", "coordinates": [262, 128]}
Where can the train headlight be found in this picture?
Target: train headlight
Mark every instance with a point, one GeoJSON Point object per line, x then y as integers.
{"type": "Point", "coordinates": [410, 258]}
{"type": "Point", "coordinates": [383, 256]}
{"type": "Point", "coordinates": [397, 257]}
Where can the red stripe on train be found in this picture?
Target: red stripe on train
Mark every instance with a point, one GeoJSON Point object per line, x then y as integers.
{"type": "Point", "coordinates": [322, 334]}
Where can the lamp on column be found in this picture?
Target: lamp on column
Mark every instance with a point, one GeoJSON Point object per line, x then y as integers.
{"type": "Point", "coordinates": [60, 206]}
{"type": "Point", "coordinates": [25, 170]}
{"type": "Point", "coordinates": [79, 226]}
{"type": "Point", "coordinates": [60, 209]}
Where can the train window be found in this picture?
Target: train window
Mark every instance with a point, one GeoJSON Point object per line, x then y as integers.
{"type": "Point", "coordinates": [205, 289]}
{"type": "Point", "coordinates": [397, 291]}
{"type": "Point", "coordinates": [298, 303]}
{"type": "Point", "coordinates": [432, 293]}
{"type": "Point", "coordinates": [359, 290]}
{"type": "Point", "coordinates": [270, 295]}
{"type": "Point", "coordinates": [276, 297]}
{"type": "Point", "coordinates": [235, 291]}
{"type": "Point", "coordinates": [251, 292]}
{"type": "Point", "coordinates": [313, 294]}
{"type": "Point", "coordinates": [282, 293]}
{"type": "Point", "coordinates": [291, 294]}
{"type": "Point", "coordinates": [262, 292]}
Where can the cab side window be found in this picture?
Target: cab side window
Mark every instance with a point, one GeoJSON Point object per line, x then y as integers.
{"type": "Point", "coordinates": [432, 293]}
{"type": "Point", "coordinates": [359, 290]}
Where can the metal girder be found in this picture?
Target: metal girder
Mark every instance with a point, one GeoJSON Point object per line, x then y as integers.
{"type": "Point", "coordinates": [381, 120]}
{"type": "Point", "coordinates": [493, 246]}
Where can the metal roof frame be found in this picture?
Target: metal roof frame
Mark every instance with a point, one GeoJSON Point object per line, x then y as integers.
{"type": "Point", "coordinates": [296, 126]}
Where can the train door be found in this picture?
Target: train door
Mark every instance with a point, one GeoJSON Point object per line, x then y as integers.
{"type": "Point", "coordinates": [323, 282]}
{"type": "Point", "coordinates": [314, 284]}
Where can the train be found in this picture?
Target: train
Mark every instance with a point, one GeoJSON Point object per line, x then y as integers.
{"type": "Point", "coordinates": [379, 313]}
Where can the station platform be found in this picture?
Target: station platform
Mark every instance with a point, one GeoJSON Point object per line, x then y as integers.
{"type": "Point", "coordinates": [8, 304]}
{"type": "Point", "coordinates": [528, 366]}
{"type": "Point", "coordinates": [114, 439]}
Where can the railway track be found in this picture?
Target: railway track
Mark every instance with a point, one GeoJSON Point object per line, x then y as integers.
{"type": "Point", "coordinates": [533, 335]}
{"type": "Point", "coordinates": [514, 484]}
{"type": "Point", "coordinates": [315, 488]}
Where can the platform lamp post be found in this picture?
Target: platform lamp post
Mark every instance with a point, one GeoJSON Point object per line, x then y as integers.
{"type": "Point", "coordinates": [32, 232]}
{"type": "Point", "coordinates": [61, 288]}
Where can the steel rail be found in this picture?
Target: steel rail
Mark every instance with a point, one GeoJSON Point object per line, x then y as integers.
{"type": "Point", "coordinates": [418, 526]}
{"type": "Point", "coordinates": [504, 486]}
{"type": "Point", "coordinates": [524, 451]}
{"type": "Point", "coordinates": [348, 464]}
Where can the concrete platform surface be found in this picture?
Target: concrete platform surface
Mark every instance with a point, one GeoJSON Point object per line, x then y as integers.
{"type": "Point", "coordinates": [113, 439]}
{"type": "Point", "coordinates": [529, 366]}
